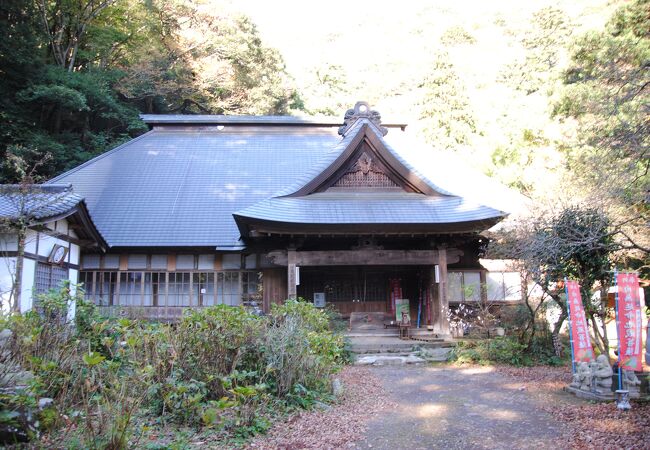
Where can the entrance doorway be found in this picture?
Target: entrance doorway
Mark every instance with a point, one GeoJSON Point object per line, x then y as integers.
{"type": "Point", "coordinates": [367, 288]}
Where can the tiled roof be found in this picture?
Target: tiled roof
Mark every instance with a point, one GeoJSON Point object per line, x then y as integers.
{"type": "Point", "coordinates": [180, 185]}
{"type": "Point", "coordinates": [180, 188]}
{"type": "Point", "coordinates": [37, 202]}
{"type": "Point", "coordinates": [194, 119]}
{"type": "Point", "coordinates": [367, 208]}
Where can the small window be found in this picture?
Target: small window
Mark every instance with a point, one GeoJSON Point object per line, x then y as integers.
{"type": "Point", "coordinates": [159, 262]}
{"type": "Point", "coordinates": [111, 261]}
{"type": "Point", "coordinates": [455, 286]}
{"type": "Point", "coordinates": [206, 262]}
{"type": "Point", "coordinates": [90, 261]}
{"type": "Point", "coordinates": [504, 286]}
{"type": "Point", "coordinates": [185, 262]}
{"type": "Point", "coordinates": [137, 262]}
{"type": "Point", "coordinates": [232, 261]}
{"type": "Point", "coordinates": [495, 286]}
{"type": "Point", "coordinates": [464, 286]}
{"type": "Point", "coordinates": [49, 277]}
{"type": "Point", "coordinates": [472, 286]}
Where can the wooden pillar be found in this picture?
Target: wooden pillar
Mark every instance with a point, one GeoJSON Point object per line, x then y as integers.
{"type": "Point", "coordinates": [433, 300]}
{"type": "Point", "coordinates": [443, 299]}
{"type": "Point", "coordinates": [292, 292]}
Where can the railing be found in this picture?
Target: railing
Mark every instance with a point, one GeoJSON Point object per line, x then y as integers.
{"type": "Point", "coordinates": [161, 313]}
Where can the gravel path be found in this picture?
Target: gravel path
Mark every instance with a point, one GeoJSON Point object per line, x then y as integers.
{"type": "Point", "coordinates": [457, 408]}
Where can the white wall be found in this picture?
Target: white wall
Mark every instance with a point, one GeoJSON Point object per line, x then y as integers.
{"type": "Point", "coordinates": [7, 271]}
{"type": "Point", "coordinates": [37, 244]}
{"type": "Point", "coordinates": [29, 275]}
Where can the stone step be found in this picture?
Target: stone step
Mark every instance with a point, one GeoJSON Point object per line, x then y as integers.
{"type": "Point", "coordinates": [393, 333]}
{"type": "Point", "coordinates": [419, 357]}
{"type": "Point", "coordinates": [363, 346]}
{"type": "Point", "coordinates": [386, 360]}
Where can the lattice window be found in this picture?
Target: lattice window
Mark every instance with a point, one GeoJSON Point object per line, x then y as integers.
{"type": "Point", "coordinates": [147, 288]}
{"type": "Point", "coordinates": [179, 289]}
{"type": "Point", "coordinates": [48, 277]}
{"type": "Point", "coordinates": [250, 286]}
{"type": "Point", "coordinates": [203, 288]}
{"type": "Point", "coordinates": [228, 288]}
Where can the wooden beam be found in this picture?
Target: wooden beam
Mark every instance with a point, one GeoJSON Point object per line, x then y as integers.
{"type": "Point", "coordinates": [364, 257]}
{"type": "Point", "coordinates": [292, 291]}
{"type": "Point", "coordinates": [443, 299]}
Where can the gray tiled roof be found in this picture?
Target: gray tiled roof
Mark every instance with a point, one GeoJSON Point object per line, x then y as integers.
{"type": "Point", "coordinates": [366, 208]}
{"type": "Point", "coordinates": [179, 186]}
{"type": "Point", "coordinates": [159, 119]}
{"type": "Point", "coordinates": [37, 201]}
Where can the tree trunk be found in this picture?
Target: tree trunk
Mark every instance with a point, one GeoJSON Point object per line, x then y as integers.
{"type": "Point", "coordinates": [560, 322]}
{"type": "Point", "coordinates": [18, 278]}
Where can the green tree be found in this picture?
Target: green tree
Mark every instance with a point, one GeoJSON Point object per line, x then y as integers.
{"type": "Point", "coordinates": [76, 75]}
{"type": "Point", "coordinates": [607, 90]}
{"type": "Point", "coordinates": [445, 110]}
{"type": "Point", "coordinates": [543, 43]}
{"type": "Point", "coordinates": [606, 96]}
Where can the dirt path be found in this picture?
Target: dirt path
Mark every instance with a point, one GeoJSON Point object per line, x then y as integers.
{"type": "Point", "coordinates": [453, 407]}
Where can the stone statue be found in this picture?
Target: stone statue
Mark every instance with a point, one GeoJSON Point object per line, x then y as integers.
{"type": "Point", "coordinates": [601, 373]}
{"type": "Point", "coordinates": [631, 383]}
{"type": "Point", "coordinates": [582, 377]}
{"type": "Point", "coordinates": [630, 378]}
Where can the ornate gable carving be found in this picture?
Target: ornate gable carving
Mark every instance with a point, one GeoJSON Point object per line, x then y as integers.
{"type": "Point", "coordinates": [365, 172]}
{"type": "Point", "coordinates": [361, 110]}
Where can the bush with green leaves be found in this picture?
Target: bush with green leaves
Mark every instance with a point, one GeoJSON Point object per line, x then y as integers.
{"type": "Point", "coordinates": [504, 350]}
{"type": "Point", "coordinates": [220, 367]}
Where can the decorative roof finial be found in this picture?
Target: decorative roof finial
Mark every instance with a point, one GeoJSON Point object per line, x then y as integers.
{"type": "Point", "coordinates": [361, 110]}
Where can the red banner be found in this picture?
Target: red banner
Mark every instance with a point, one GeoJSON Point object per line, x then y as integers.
{"type": "Point", "coordinates": [630, 326]}
{"type": "Point", "coordinates": [581, 342]}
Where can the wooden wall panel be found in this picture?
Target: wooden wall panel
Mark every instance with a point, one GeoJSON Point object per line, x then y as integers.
{"type": "Point", "coordinates": [345, 308]}
{"type": "Point", "coordinates": [274, 283]}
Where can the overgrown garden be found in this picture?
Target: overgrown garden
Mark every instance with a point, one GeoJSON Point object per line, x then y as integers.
{"type": "Point", "coordinates": [118, 383]}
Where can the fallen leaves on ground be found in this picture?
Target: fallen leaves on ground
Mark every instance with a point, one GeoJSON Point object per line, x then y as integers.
{"type": "Point", "coordinates": [337, 427]}
{"type": "Point", "coordinates": [589, 425]}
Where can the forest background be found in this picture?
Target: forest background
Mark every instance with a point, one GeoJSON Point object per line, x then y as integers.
{"type": "Point", "coordinates": [550, 98]}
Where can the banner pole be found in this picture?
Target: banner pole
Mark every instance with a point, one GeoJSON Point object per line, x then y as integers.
{"type": "Point", "coordinates": [618, 330]}
{"type": "Point", "coordinates": [568, 311]}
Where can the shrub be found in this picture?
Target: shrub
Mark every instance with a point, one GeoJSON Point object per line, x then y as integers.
{"type": "Point", "coordinates": [505, 350]}
{"type": "Point", "coordinates": [215, 342]}
{"type": "Point", "coordinates": [219, 367]}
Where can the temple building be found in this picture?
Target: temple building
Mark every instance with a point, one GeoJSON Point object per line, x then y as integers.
{"type": "Point", "coordinates": [206, 210]}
